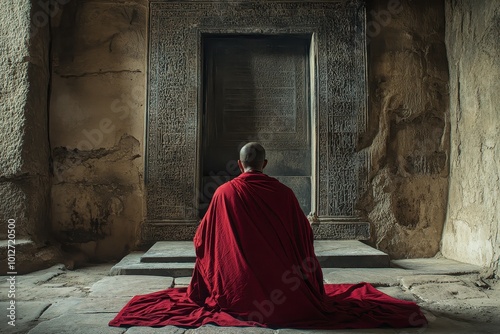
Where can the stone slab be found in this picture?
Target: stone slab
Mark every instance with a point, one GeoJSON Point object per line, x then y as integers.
{"type": "Point", "coordinates": [170, 251]}
{"type": "Point", "coordinates": [159, 231]}
{"type": "Point", "coordinates": [129, 286]}
{"type": "Point", "coordinates": [26, 314]}
{"type": "Point", "coordinates": [409, 281]}
{"type": "Point", "coordinates": [349, 254]}
{"type": "Point", "coordinates": [209, 329]}
{"type": "Point", "coordinates": [78, 324]}
{"type": "Point", "coordinates": [82, 305]}
{"type": "Point", "coordinates": [434, 292]}
{"type": "Point", "coordinates": [330, 253]}
{"type": "Point", "coordinates": [132, 265]}
{"type": "Point", "coordinates": [152, 330]}
{"type": "Point", "coordinates": [341, 230]}
{"type": "Point", "coordinates": [375, 276]}
{"type": "Point", "coordinates": [437, 266]}
{"type": "Point", "coordinates": [397, 292]}
{"type": "Point", "coordinates": [180, 282]}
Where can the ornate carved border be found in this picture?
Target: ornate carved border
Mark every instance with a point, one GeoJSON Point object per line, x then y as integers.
{"type": "Point", "coordinates": [174, 101]}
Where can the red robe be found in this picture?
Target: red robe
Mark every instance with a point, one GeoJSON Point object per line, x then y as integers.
{"type": "Point", "coordinates": [255, 266]}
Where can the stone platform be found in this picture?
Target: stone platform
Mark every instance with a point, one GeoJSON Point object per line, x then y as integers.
{"type": "Point", "coordinates": [176, 258]}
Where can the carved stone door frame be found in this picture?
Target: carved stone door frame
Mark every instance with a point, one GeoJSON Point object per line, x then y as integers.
{"type": "Point", "coordinates": [338, 102]}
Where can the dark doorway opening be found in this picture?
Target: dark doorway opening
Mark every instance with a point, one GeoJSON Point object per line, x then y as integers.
{"type": "Point", "coordinates": [256, 88]}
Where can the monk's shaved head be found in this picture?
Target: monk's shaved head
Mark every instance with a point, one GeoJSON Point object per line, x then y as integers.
{"type": "Point", "coordinates": [253, 156]}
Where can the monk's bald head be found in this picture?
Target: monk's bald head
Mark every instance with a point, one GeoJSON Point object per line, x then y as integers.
{"type": "Point", "coordinates": [253, 156]}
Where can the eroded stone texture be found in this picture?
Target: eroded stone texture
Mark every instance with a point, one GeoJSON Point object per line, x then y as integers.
{"type": "Point", "coordinates": [408, 126]}
{"type": "Point", "coordinates": [97, 124]}
{"type": "Point", "coordinates": [23, 121]}
{"type": "Point", "coordinates": [472, 228]}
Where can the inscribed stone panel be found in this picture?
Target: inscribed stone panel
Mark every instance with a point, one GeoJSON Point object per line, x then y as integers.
{"type": "Point", "coordinates": [175, 51]}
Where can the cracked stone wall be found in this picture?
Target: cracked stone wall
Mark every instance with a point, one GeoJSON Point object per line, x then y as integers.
{"type": "Point", "coordinates": [97, 111]}
{"type": "Point", "coordinates": [472, 227]}
{"type": "Point", "coordinates": [24, 148]}
{"type": "Point", "coordinates": [408, 134]}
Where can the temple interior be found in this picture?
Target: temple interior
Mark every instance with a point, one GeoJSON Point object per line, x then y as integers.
{"type": "Point", "coordinates": [120, 118]}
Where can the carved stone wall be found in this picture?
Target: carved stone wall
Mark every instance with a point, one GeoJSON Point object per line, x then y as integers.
{"type": "Point", "coordinates": [408, 130]}
{"type": "Point", "coordinates": [338, 95]}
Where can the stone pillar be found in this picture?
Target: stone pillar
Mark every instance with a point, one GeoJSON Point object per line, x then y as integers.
{"type": "Point", "coordinates": [97, 108]}
{"type": "Point", "coordinates": [24, 145]}
{"type": "Point", "coordinates": [472, 230]}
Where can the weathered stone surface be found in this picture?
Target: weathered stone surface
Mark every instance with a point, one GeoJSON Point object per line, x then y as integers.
{"type": "Point", "coordinates": [437, 292]}
{"type": "Point", "coordinates": [408, 128]}
{"type": "Point", "coordinates": [132, 265]}
{"type": "Point", "coordinates": [397, 292]}
{"type": "Point", "coordinates": [74, 305]}
{"type": "Point", "coordinates": [437, 266]}
{"type": "Point", "coordinates": [78, 324]}
{"type": "Point", "coordinates": [210, 329]}
{"type": "Point", "coordinates": [472, 229]}
{"type": "Point", "coordinates": [26, 313]}
{"type": "Point", "coordinates": [408, 282]}
{"type": "Point", "coordinates": [26, 200]}
{"type": "Point", "coordinates": [151, 330]}
{"type": "Point", "coordinates": [92, 38]}
{"type": "Point", "coordinates": [182, 282]}
{"type": "Point", "coordinates": [341, 230]}
{"type": "Point", "coordinates": [97, 124]}
{"type": "Point", "coordinates": [23, 121]}
{"type": "Point", "coordinates": [129, 286]}
{"type": "Point", "coordinates": [25, 252]}
{"type": "Point", "coordinates": [97, 198]}
{"type": "Point", "coordinates": [14, 83]}
{"type": "Point", "coordinates": [375, 276]}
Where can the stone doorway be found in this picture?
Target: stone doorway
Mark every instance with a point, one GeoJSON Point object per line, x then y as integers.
{"type": "Point", "coordinates": [256, 88]}
{"type": "Point", "coordinates": [332, 179]}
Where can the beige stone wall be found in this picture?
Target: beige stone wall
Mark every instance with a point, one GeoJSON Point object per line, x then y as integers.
{"type": "Point", "coordinates": [472, 230]}
{"type": "Point", "coordinates": [97, 110]}
{"type": "Point", "coordinates": [408, 135]}
{"type": "Point", "coordinates": [24, 157]}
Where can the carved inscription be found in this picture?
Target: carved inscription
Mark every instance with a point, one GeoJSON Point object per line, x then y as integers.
{"type": "Point", "coordinates": [174, 101]}
{"type": "Point", "coordinates": [259, 87]}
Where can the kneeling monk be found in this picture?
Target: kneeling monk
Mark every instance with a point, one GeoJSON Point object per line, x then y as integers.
{"type": "Point", "coordinates": [255, 266]}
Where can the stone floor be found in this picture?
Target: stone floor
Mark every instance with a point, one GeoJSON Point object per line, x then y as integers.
{"type": "Point", "coordinates": [453, 296]}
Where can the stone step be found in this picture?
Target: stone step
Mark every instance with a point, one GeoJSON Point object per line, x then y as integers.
{"type": "Point", "coordinates": [176, 258]}
{"type": "Point", "coordinates": [323, 229]}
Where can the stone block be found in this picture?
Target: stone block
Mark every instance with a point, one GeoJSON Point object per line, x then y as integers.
{"type": "Point", "coordinates": [85, 305]}
{"type": "Point", "coordinates": [434, 292]}
{"type": "Point", "coordinates": [210, 329]}
{"type": "Point", "coordinates": [151, 330]}
{"type": "Point", "coordinates": [436, 266]}
{"type": "Point", "coordinates": [26, 314]}
{"type": "Point", "coordinates": [25, 200]}
{"type": "Point", "coordinates": [129, 286]}
{"type": "Point", "coordinates": [379, 277]}
{"type": "Point", "coordinates": [182, 282]}
{"type": "Point", "coordinates": [408, 282]}
{"type": "Point", "coordinates": [78, 324]}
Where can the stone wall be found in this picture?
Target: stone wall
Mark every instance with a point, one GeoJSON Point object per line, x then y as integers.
{"type": "Point", "coordinates": [408, 134]}
{"type": "Point", "coordinates": [472, 230]}
{"type": "Point", "coordinates": [24, 147]}
{"type": "Point", "coordinates": [97, 110]}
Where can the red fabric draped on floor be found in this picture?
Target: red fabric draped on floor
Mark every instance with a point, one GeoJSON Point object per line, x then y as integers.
{"type": "Point", "coordinates": [263, 272]}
